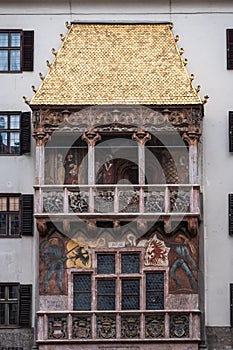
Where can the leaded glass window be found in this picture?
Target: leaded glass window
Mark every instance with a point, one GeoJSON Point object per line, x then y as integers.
{"type": "Point", "coordinates": [155, 291]}
{"type": "Point", "coordinates": [130, 294]}
{"type": "Point", "coordinates": [82, 292]}
{"type": "Point", "coordinates": [105, 263]}
{"type": "Point", "coordinates": [130, 263]}
{"type": "Point", "coordinates": [106, 294]}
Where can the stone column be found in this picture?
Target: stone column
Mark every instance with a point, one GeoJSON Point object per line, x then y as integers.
{"type": "Point", "coordinates": [141, 137]}
{"type": "Point", "coordinates": [192, 137]}
{"type": "Point", "coordinates": [91, 138]}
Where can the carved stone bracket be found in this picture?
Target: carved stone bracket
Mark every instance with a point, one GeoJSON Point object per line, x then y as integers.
{"type": "Point", "coordinates": [91, 137]}
{"type": "Point", "coordinates": [141, 137]}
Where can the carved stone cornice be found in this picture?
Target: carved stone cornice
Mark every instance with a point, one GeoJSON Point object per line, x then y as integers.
{"type": "Point", "coordinates": [123, 119]}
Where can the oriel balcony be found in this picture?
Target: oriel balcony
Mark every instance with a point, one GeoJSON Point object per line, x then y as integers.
{"type": "Point", "coordinates": [117, 200]}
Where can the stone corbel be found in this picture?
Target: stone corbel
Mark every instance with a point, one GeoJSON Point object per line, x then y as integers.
{"type": "Point", "coordinates": [41, 136]}
{"type": "Point", "coordinates": [192, 135]}
{"type": "Point", "coordinates": [141, 137]}
{"type": "Point", "coordinates": [90, 137]}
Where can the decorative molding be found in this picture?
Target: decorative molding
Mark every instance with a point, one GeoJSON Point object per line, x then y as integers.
{"type": "Point", "coordinates": [108, 119]}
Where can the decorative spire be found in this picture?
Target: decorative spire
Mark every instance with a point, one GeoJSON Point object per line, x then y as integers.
{"type": "Point", "coordinates": [181, 51]}
{"type": "Point", "coordinates": [205, 99]}
{"type": "Point", "coordinates": [62, 37]}
{"type": "Point", "coordinates": [41, 76]}
{"type": "Point", "coordinates": [54, 52]}
{"type": "Point", "coordinates": [177, 38]}
{"type": "Point", "coordinates": [26, 100]}
{"type": "Point", "coordinates": [48, 63]}
{"type": "Point", "coordinates": [185, 61]}
{"type": "Point", "coordinates": [34, 89]}
{"type": "Point", "coordinates": [67, 24]}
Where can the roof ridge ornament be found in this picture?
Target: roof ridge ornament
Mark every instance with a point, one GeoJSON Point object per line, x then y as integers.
{"type": "Point", "coordinates": [68, 25]}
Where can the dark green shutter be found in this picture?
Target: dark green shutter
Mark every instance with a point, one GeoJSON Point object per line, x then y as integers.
{"type": "Point", "coordinates": [27, 215]}
{"type": "Point", "coordinates": [25, 132]}
{"type": "Point", "coordinates": [28, 51]}
{"type": "Point", "coordinates": [25, 305]}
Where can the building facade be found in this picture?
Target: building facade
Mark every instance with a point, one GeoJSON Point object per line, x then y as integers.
{"type": "Point", "coordinates": [122, 158]}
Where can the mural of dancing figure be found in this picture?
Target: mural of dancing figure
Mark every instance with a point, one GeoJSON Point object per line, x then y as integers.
{"type": "Point", "coordinates": [181, 250]}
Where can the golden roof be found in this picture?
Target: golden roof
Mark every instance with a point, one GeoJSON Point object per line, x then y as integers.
{"type": "Point", "coordinates": [117, 64]}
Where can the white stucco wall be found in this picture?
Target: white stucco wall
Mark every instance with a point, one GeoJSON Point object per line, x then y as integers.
{"type": "Point", "coordinates": [202, 29]}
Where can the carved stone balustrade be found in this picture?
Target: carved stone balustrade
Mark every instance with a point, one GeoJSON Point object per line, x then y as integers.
{"type": "Point", "coordinates": [156, 325]}
{"type": "Point", "coordinates": [117, 200]}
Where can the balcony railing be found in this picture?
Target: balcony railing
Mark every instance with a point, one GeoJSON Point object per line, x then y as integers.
{"type": "Point", "coordinates": [102, 200]}
{"type": "Point", "coordinates": [166, 325]}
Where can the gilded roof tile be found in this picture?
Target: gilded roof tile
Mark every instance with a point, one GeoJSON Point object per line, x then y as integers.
{"type": "Point", "coordinates": [117, 64]}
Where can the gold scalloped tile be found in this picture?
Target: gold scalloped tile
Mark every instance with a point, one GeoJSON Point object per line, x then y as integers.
{"type": "Point", "coordinates": [117, 64]}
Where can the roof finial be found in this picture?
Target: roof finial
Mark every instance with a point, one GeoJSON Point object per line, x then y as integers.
{"type": "Point", "coordinates": [67, 24]}
{"type": "Point", "coordinates": [177, 38]}
{"type": "Point", "coordinates": [185, 62]}
{"type": "Point", "coordinates": [48, 63]}
{"type": "Point", "coordinates": [181, 51]}
{"type": "Point", "coordinates": [205, 99]}
{"type": "Point", "coordinates": [26, 100]}
{"type": "Point", "coordinates": [191, 77]}
{"type": "Point", "coordinates": [198, 88]}
{"type": "Point", "coordinates": [54, 52]}
{"type": "Point", "coordinates": [62, 37]}
{"type": "Point", "coordinates": [171, 25]}
{"type": "Point", "coordinates": [34, 89]}
{"type": "Point", "coordinates": [41, 76]}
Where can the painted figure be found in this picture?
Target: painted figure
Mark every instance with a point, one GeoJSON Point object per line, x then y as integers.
{"type": "Point", "coordinates": [52, 255]}
{"type": "Point", "coordinates": [71, 170]}
{"type": "Point", "coordinates": [105, 174]}
{"type": "Point", "coordinates": [183, 260]}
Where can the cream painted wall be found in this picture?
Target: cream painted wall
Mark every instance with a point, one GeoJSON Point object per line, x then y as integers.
{"type": "Point", "coordinates": [202, 29]}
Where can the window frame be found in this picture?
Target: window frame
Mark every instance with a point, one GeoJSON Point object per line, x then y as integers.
{"type": "Point", "coordinates": [8, 212]}
{"type": "Point", "coordinates": [8, 130]}
{"type": "Point", "coordinates": [12, 48]}
{"type": "Point", "coordinates": [7, 301]}
{"type": "Point", "coordinates": [24, 131]}
{"type": "Point", "coordinates": [26, 219]}
{"type": "Point", "coordinates": [118, 276]}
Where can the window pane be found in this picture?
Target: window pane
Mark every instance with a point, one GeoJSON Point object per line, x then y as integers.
{"type": "Point", "coordinates": [3, 39]}
{"type": "Point", "coordinates": [3, 121]}
{"type": "Point", "coordinates": [82, 292]}
{"type": "Point", "coordinates": [2, 292]}
{"type": "Point", "coordinates": [15, 39]}
{"type": "Point", "coordinates": [3, 142]}
{"type": "Point", "coordinates": [3, 227]}
{"type": "Point", "coordinates": [3, 203]}
{"type": "Point", "coordinates": [14, 142]}
{"type": "Point", "coordinates": [13, 292]}
{"type": "Point", "coordinates": [14, 224]}
{"type": "Point", "coordinates": [130, 263]}
{"type": "Point", "coordinates": [14, 121]}
{"type": "Point", "coordinates": [2, 314]}
{"type": "Point", "coordinates": [15, 60]}
{"type": "Point", "coordinates": [106, 295]}
{"type": "Point", "coordinates": [3, 60]}
{"type": "Point", "coordinates": [105, 263]}
{"type": "Point", "coordinates": [13, 314]}
{"type": "Point", "coordinates": [155, 291]}
{"type": "Point", "coordinates": [14, 203]}
{"type": "Point", "coordinates": [130, 294]}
